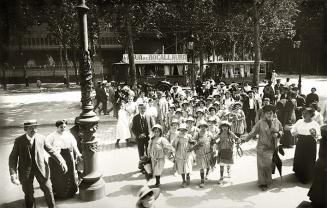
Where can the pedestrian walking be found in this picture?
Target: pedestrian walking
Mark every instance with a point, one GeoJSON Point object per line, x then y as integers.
{"type": "Point", "coordinates": [158, 148]}
{"type": "Point", "coordinates": [27, 159]}
{"type": "Point", "coordinates": [141, 128]}
{"type": "Point", "coordinates": [203, 149]}
{"type": "Point", "coordinates": [64, 184]}
{"type": "Point", "coordinates": [122, 128]}
{"type": "Point", "coordinates": [270, 130]}
{"type": "Point", "coordinates": [307, 132]}
{"type": "Point", "coordinates": [225, 145]}
{"type": "Point", "coordinates": [183, 154]}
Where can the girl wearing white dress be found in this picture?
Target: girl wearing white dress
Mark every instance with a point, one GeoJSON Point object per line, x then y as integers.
{"type": "Point", "coordinates": [122, 129]}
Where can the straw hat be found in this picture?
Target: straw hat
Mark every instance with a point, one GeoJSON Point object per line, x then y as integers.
{"type": "Point", "coordinates": [174, 121]}
{"type": "Point", "coordinates": [178, 110]}
{"type": "Point", "coordinates": [225, 123]}
{"type": "Point", "coordinates": [200, 110]}
{"type": "Point", "coordinates": [145, 190]}
{"type": "Point", "coordinates": [157, 126]}
{"type": "Point", "coordinates": [182, 127]}
{"type": "Point", "coordinates": [190, 118]}
{"type": "Point", "coordinates": [202, 123]}
{"type": "Point", "coordinates": [30, 123]}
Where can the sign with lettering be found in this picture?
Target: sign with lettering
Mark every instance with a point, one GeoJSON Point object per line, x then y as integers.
{"type": "Point", "coordinates": [157, 58]}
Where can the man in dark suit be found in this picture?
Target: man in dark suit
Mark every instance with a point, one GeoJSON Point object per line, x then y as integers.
{"type": "Point", "coordinates": [250, 108]}
{"type": "Point", "coordinates": [141, 128]}
{"type": "Point", "coordinates": [28, 157]}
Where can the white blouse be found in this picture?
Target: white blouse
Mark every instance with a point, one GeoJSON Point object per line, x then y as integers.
{"type": "Point", "coordinates": [63, 141]}
{"type": "Point", "coordinates": [303, 128]}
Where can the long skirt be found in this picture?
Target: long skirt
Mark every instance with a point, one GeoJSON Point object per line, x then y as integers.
{"type": "Point", "coordinates": [305, 158]}
{"type": "Point", "coordinates": [318, 190]}
{"type": "Point", "coordinates": [287, 139]}
{"type": "Point", "coordinates": [184, 166]}
{"type": "Point", "coordinates": [157, 166]}
{"type": "Point", "coordinates": [264, 165]}
{"type": "Point", "coordinates": [63, 184]}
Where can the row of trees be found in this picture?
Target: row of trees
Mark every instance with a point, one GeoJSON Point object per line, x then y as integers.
{"type": "Point", "coordinates": [231, 28]}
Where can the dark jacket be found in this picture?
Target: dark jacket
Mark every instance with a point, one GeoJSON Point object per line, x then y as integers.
{"type": "Point", "coordinates": [137, 128]}
{"type": "Point", "coordinates": [21, 154]}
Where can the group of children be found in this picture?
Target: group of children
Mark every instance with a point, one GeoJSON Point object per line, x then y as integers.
{"type": "Point", "coordinates": [199, 143]}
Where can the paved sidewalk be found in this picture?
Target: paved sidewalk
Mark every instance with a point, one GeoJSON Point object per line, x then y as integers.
{"type": "Point", "coordinates": [119, 168]}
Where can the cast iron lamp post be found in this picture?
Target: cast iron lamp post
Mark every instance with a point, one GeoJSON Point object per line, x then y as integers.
{"type": "Point", "coordinates": [190, 47]}
{"type": "Point", "coordinates": [296, 46]}
{"type": "Point", "coordinates": [92, 186]}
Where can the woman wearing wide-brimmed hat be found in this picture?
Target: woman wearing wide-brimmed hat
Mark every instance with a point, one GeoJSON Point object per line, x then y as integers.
{"type": "Point", "coordinates": [159, 146]}
{"type": "Point", "coordinates": [203, 149]}
{"type": "Point", "coordinates": [270, 130]}
{"type": "Point", "coordinates": [147, 197]}
{"type": "Point", "coordinates": [307, 132]}
{"type": "Point", "coordinates": [183, 154]}
{"type": "Point", "coordinates": [225, 143]}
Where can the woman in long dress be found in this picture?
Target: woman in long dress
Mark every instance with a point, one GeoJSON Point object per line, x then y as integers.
{"type": "Point", "coordinates": [131, 108]}
{"type": "Point", "coordinates": [318, 189]}
{"type": "Point", "coordinates": [64, 185]}
{"type": "Point", "coordinates": [269, 129]}
{"type": "Point", "coordinates": [307, 132]}
{"type": "Point", "coordinates": [122, 128]}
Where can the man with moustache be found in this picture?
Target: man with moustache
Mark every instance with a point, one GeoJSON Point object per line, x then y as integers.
{"type": "Point", "coordinates": [28, 159]}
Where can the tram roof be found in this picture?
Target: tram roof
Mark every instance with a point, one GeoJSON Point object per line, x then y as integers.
{"type": "Point", "coordinates": [236, 62]}
{"type": "Point", "coordinates": [155, 62]}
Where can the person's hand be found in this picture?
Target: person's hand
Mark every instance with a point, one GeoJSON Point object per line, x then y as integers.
{"type": "Point", "coordinates": [79, 158]}
{"type": "Point", "coordinates": [14, 180]}
{"type": "Point", "coordinates": [313, 132]}
{"type": "Point", "coordinates": [142, 135]}
{"type": "Point", "coordinates": [64, 167]}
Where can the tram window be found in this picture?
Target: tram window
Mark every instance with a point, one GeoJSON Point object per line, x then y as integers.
{"type": "Point", "coordinates": [160, 71]}
{"type": "Point", "coordinates": [175, 71]}
{"type": "Point", "coordinates": [41, 41]}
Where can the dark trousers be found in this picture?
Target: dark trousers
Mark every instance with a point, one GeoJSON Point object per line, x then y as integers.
{"type": "Point", "coordinates": [250, 119]}
{"type": "Point", "coordinates": [142, 146]}
{"type": "Point", "coordinates": [97, 103]}
{"type": "Point", "coordinates": [104, 107]}
{"type": "Point", "coordinates": [45, 185]}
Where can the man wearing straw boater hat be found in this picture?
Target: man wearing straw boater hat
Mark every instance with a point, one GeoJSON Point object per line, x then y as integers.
{"type": "Point", "coordinates": [28, 158]}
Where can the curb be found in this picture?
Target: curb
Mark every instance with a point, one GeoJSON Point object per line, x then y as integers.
{"type": "Point", "coordinates": [52, 124]}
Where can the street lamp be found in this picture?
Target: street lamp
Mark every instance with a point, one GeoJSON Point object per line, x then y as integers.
{"type": "Point", "coordinates": [92, 186]}
{"type": "Point", "coordinates": [296, 46]}
{"type": "Point", "coordinates": [190, 47]}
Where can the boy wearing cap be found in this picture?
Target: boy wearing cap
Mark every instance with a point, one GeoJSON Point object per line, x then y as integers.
{"type": "Point", "coordinates": [28, 159]}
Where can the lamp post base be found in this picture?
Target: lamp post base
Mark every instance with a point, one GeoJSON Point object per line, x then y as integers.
{"type": "Point", "coordinates": [92, 190]}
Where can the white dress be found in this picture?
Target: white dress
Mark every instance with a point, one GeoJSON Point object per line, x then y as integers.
{"type": "Point", "coordinates": [122, 129]}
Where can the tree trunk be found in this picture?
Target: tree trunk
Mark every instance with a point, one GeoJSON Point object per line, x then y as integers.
{"type": "Point", "coordinates": [201, 60]}
{"type": "Point", "coordinates": [66, 65]}
{"type": "Point", "coordinates": [257, 55]}
{"type": "Point", "coordinates": [75, 66]}
{"type": "Point", "coordinates": [234, 51]}
{"type": "Point", "coordinates": [130, 48]}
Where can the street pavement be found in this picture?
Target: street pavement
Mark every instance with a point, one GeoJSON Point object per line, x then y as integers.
{"type": "Point", "coordinates": [119, 166]}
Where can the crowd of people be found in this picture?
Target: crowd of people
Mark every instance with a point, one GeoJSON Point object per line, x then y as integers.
{"type": "Point", "coordinates": [196, 130]}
